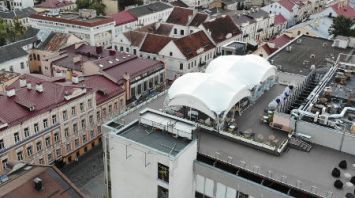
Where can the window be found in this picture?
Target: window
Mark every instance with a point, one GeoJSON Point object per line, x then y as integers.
{"type": "Point", "coordinates": [54, 119]}
{"type": "Point", "coordinates": [181, 66]}
{"type": "Point", "coordinates": [65, 115]}
{"type": "Point", "coordinates": [110, 109]}
{"type": "Point", "coordinates": [90, 103]}
{"type": "Point", "coordinates": [22, 65]}
{"type": "Point", "coordinates": [92, 134]}
{"type": "Point", "coordinates": [19, 156]}
{"type": "Point", "coordinates": [56, 137]}
{"type": "Point", "coordinates": [41, 161]}
{"type": "Point", "coordinates": [66, 132]}
{"type": "Point", "coordinates": [50, 158]}
{"type": "Point", "coordinates": [58, 152]}
{"type": "Point", "coordinates": [182, 32]}
{"type": "Point", "coordinates": [171, 53]}
{"type": "Point", "coordinates": [163, 192]}
{"type": "Point", "coordinates": [77, 144]}
{"type": "Point", "coordinates": [91, 120]}
{"type": "Point", "coordinates": [163, 172]}
{"type": "Point", "coordinates": [45, 123]}
{"type": "Point", "coordinates": [175, 31]}
{"type": "Point", "coordinates": [83, 124]}
{"type": "Point", "coordinates": [39, 146]}
{"type": "Point", "coordinates": [17, 137]}
{"type": "Point", "coordinates": [26, 132]}
{"type": "Point", "coordinates": [36, 128]}
{"type": "Point", "coordinates": [98, 115]}
{"type": "Point", "coordinates": [2, 145]}
{"type": "Point", "coordinates": [29, 151]}
{"type": "Point", "coordinates": [84, 139]}
{"type": "Point", "coordinates": [73, 112]}
{"type": "Point", "coordinates": [242, 195]}
{"type": "Point", "coordinates": [68, 148]}
{"type": "Point", "coordinates": [48, 141]}
{"type": "Point", "coordinates": [115, 105]}
{"type": "Point", "coordinates": [82, 107]}
{"type": "Point", "coordinates": [4, 163]}
{"type": "Point", "coordinates": [11, 68]}
{"type": "Point", "coordinates": [75, 128]}
{"type": "Point", "coordinates": [134, 51]}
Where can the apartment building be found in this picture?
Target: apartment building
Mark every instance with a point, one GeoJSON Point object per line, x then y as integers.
{"type": "Point", "coordinates": [95, 30]}
{"type": "Point", "coordinates": [45, 122]}
{"type": "Point", "coordinates": [160, 164]}
{"type": "Point", "coordinates": [21, 15]}
{"type": "Point", "coordinates": [16, 4]}
{"type": "Point", "coordinates": [125, 22]}
{"type": "Point", "coordinates": [138, 76]}
{"type": "Point", "coordinates": [55, 6]}
{"type": "Point", "coordinates": [151, 13]}
{"type": "Point", "coordinates": [14, 56]}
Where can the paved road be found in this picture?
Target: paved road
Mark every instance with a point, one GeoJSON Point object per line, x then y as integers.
{"type": "Point", "coordinates": [88, 172]}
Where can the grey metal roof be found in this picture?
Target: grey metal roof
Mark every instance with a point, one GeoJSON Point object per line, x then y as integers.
{"type": "Point", "coordinates": [15, 49]}
{"type": "Point", "coordinates": [149, 9]}
{"type": "Point", "coordinates": [23, 13]}
{"type": "Point", "coordinates": [159, 140]}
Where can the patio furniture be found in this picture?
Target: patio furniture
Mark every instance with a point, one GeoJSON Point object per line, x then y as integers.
{"type": "Point", "coordinates": [338, 184]}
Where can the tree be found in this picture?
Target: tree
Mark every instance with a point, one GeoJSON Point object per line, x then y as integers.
{"type": "Point", "coordinates": [342, 26]}
{"type": "Point", "coordinates": [82, 4]}
{"type": "Point", "coordinates": [98, 6]}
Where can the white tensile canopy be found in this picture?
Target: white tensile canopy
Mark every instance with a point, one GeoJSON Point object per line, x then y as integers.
{"type": "Point", "coordinates": [227, 80]}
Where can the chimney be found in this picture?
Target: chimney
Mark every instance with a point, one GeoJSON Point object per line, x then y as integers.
{"type": "Point", "coordinates": [38, 185]}
{"type": "Point", "coordinates": [39, 87]}
{"type": "Point", "coordinates": [10, 92]}
{"type": "Point", "coordinates": [98, 49]}
{"type": "Point", "coordinates": [23, 81]}
{"type": "Point", "coordinates": [112, 52]}
{"type": "Point", "coordinates": [29, 85]}
{"type": "Point", "coordinates": [75, 78]}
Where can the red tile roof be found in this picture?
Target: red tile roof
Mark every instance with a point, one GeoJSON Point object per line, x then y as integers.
{"type": "Point", "coordinates": [279, 19]}
{"type": "Point", "coordinates": [345, 10]}
{"type": "Point", "coordinates": [222, 28]}
{"type": "Point", "coordinates": [54, 4]}
{"type": "Point", "coordinates": [52, 96]}
{"type": "Point", "coordinates": [198, 19]}
{"type": "Point", "coordinates": [288, 4]}
{"type": "Point", "coordinates": [268, 49]}
{"type": "Point", "coordinates": [105, 89]}
{"type": "Point", "coordinates": [180, 16]}
{"type": "Point", "coordinates": [76, 21]}
{"type": "Point", "coordinates": [135, 67]}
{"type": "Point", "coordinates": [153, 43]}
{"type": "Point", "coordinates": [191, 44]}
{"type": "Point", "coordinates": [123, 17]}
{"type": "Point", "coordinates": [281, 40]}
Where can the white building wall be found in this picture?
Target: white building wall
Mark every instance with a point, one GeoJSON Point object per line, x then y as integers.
{"type": "Point", "coordinates": [18, 65]}
{"type": "Point", "coordinates": [134, 170]}
{"type": "Point", "coordinates": [161, 16]}
{"type": "Point", "coordinates": [276, 8]}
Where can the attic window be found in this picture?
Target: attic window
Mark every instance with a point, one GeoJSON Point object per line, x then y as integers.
{"type": "Point", "coordinates": [110, 62]}
{"type": "Point", "coordinates": [100, 65]}
{"type": "Point", "coordinates": [117, 59]}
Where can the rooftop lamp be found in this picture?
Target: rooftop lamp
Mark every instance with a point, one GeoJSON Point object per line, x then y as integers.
{"type": "Point", "coordinates": [338, 184]}
{"type": "Point", "coordinates": [336, 173]}
{"type": "Point", "coordinates": [343, 164]}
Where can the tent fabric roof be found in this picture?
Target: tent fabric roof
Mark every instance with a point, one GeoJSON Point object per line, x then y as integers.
{"type": "Point", "coordinates": [227, 80]}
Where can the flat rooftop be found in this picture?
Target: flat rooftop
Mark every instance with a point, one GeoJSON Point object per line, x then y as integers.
{"type": "Point", "coordinates": [154, 138]}
{"type": "Point", "coordinates": [311, 169]}
{"type": "Point", "coordinates": [306, 51]}
{"type": "Point", "coordinates": [251, 118]}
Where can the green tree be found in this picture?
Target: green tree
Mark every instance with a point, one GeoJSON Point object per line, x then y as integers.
{"type": "Point", "coordinates": [98, 6]}
{"type": "Point", "coordinates": [3, 32]}
{"type": "Point", "coordinates": [342, 26]}
{"type": "Point", "coordinates": [80, 4]}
